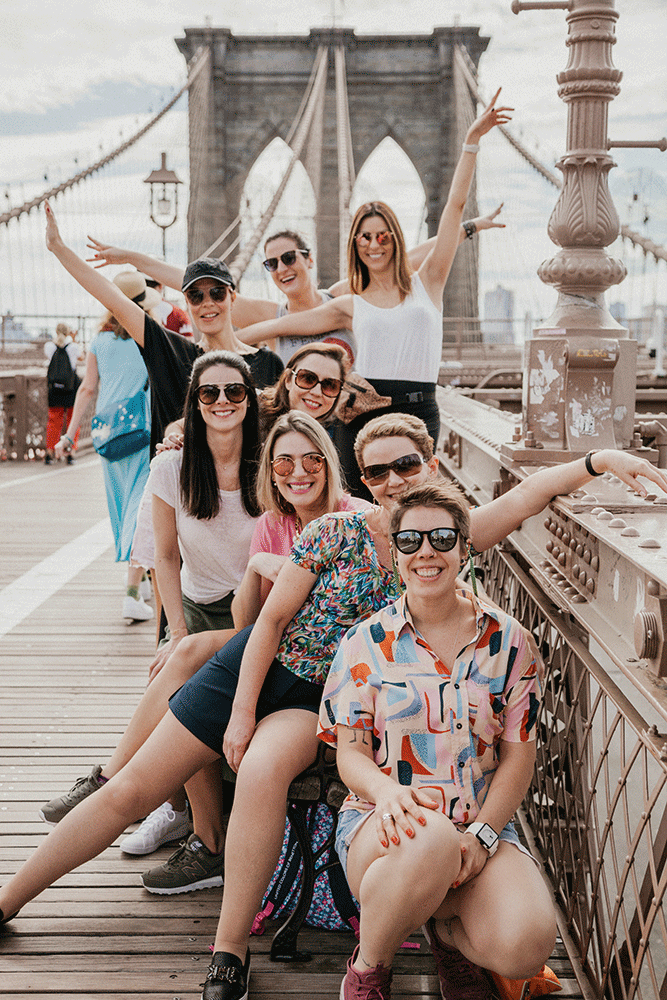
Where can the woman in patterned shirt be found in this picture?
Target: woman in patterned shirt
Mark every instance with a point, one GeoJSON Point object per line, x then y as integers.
{"type": "Point", "coordinates": [432, 703]}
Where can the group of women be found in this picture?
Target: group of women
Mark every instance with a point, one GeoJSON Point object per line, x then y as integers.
{"type": "Point", "coordinates": [342, 610]}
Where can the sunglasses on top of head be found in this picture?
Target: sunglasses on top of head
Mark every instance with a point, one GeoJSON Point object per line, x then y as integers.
{"type": "Point", "coordinates": [234, 392]}
{"type": "Point", "coordinates": [288, 258]}
{"type": "Point", "coordinates": [305, 379]}
{"type": "Point", "coordinates": [217, 293]}
{"type": "Point", "coordinates": [381, 238]}
{"type": "Point", "coordinates": [410, 540]}
{"type": "Point", "coordinates": [405, 467]}
{"type": "Point", "coordinates": [311, 463]}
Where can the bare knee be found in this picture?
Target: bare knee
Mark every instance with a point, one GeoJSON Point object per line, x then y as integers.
{"type": "Point", "coordinates": [270, 772]}
{"type": "Point", "coordinates": [523, 943]}
{"type": "Point", "coordinates": [127, 798]}
{"type": "Point", "coordinates": [190, 654]}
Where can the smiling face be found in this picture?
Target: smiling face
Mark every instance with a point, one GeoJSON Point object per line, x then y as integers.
{"type": "Point", "coordinates": [386, 450]}
{"type": "Point", "coordinates": [428, 573]}
{"type": "Point", "coordinates": [376, 256]}
{"type": "Point", "coordinates": [313, 400]}
{"type": "Point", "coordinates": [209, 316]}
{"type": "Point", "coordinates": [222, 415]}
{"type": "Point", "coordinates": [305, 491]}
{"type": "Point", "coordinates": [292, 279]}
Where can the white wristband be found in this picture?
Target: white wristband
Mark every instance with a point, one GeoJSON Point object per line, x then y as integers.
{"type": "Point", "coordinates": [469, 147]}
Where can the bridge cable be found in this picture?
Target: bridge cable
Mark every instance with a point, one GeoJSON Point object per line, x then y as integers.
{"type": "Point", "coordinates": [345, 152]}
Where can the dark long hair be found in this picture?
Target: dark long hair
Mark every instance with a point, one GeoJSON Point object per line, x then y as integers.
{"type": "Point", "coordinates": [274, 401]}
{"type": "Point", "coordinates": [199, 483]}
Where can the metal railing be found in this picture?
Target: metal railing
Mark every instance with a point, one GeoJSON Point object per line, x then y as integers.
{"type": "Point", "coordinates": [598, 805]}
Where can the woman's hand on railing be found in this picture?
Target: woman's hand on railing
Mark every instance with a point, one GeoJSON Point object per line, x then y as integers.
{"type": "Point", "coordinates": [628, 468]}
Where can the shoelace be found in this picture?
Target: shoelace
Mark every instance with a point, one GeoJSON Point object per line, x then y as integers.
{"type": "Point", "coordinates": [158, 817]}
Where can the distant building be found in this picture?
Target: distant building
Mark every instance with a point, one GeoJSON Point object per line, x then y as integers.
{"type": "Point", "coordinates": [13, 334]}
{"type": "Point", "coordinates": [498, 322]}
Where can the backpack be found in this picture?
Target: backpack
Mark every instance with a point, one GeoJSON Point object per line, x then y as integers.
{"type": "Point", "coordinates": [62, 380]}
{"type": "Point", "coordinates": [333, 906]}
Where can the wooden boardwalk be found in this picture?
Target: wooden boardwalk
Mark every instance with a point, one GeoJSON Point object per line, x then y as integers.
{"type": "Point", "coordinates": [71, 673]}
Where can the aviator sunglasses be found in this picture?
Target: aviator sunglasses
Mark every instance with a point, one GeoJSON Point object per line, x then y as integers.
{"type": "Point", "coordinates": [410, 540]}
{"type": "Point", "coordinates": [235, 392]}
{"type": "Point", "coordinates": [195, 296]}
{"type": "Point", "coordinates": [381, 238]}
{"type": "Point", "coordinates": [305, 379]}
{"type": "Point", "coordinates": [310, 463]}
{"type": "Point", "coordinates": [405, 467]}
{"type": "Point", "coordinates": [288, 258]}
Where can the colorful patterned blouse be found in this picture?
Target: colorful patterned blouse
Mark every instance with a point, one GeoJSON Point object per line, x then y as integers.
{"type": "Point", "coordinates": [351, 584]}
{"type": "Point", "coordinates": [432, 728]}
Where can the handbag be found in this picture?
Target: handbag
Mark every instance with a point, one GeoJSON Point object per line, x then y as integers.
{"type": "Point", "coordinates": [123, 428]}
{"type": "Point", "coordinates": [358, 396]}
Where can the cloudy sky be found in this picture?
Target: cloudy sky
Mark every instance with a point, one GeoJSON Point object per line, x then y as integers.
{"type": "Point", "coordinates": [73, 76]}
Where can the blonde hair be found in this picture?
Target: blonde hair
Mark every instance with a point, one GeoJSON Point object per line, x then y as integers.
{"type": "Point", "coordinates": [63, 331]}
{"type": "Point", "coordinates": [391, 425]}
{"type": "Point", "coordinates": [357, 272]}
{"type": "Point", "coordinates": [268, 495]}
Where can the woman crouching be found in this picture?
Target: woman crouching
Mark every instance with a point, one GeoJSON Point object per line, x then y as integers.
{"type": "Point", "coordinates": [432, 703]}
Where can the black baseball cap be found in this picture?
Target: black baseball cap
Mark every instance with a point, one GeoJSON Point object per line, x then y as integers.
{"type": "Point", "coordinates": [207, 267]}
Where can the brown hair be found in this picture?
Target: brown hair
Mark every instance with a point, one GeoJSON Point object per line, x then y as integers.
{"type": "Point", "coordinates": [288, 234]}
{"type": "Point", "coordinates": [438, 495]}
{"type": "Point", "coordinates": [394, 425]}
{"type": "Point", "coordinates": [274, 401]}
{"type": "Point", "coordinates": [357, 272]}
{"type": "Point", "coordinates": [111, 323]}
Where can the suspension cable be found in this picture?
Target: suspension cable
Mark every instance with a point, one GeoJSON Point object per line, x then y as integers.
{"type": "Point", "coordinates": [345, 158]}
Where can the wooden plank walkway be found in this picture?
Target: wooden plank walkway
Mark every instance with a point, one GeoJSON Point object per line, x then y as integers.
{"type": "Point", "coordinates": [71, 673]}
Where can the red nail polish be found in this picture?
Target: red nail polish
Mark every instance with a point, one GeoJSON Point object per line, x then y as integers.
{"type": "Point", "coordinates": [394, 840]}
{"type": "Point", "coordinates": [410, 833]}
{"type": "Point", "coordinates": [385, 843]}
{"type": "Point", "coordinates": [422, 821]}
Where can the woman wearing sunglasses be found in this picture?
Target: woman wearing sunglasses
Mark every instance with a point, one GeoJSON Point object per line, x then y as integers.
{"type": "Point", "coordinates": [311, 382]}
{"type": "Point", "coordinates": [437, 748]}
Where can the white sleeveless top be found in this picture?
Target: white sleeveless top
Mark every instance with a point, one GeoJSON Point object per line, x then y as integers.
{"type": "Point", "coordinates": [402, 343]}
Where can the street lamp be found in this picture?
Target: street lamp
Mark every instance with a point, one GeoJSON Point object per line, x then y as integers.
{"type": "Point", "coordinates": [164, 198]}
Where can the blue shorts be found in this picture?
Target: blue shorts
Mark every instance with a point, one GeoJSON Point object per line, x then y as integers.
{"type": "Point", "coordinates": [351, 820]}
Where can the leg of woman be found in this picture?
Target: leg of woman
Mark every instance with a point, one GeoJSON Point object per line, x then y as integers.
{"type": "Point", "coordinates": [205, 794]}
{"type": "Point", "coordinates": [503, 919]}
{"type": "Point", "coordinates": [167, 760]}
{"type": "Point", "coordinates": [284, 744]}
{"type": "Point", "coordinates": [54, 427]}
{"type": "Point", "coordinates": [399, 887]}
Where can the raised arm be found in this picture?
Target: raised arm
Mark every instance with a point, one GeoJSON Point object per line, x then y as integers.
{"type": "Point", "coordinates": [158, 270]}
{"type": "Point", "coordinates": [127, 312]}
{"type": "Point", "coordinates": [437, 264]}
{"type": "Point", "coordinates": [494, 521]}
{"type": "Point", "coordinates": [418, 255]}
{"type": "Point", "coordinates": [333, 315]}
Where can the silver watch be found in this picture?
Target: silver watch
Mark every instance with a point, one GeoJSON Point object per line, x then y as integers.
{"type": "Point", "coordinates": [486, 835]}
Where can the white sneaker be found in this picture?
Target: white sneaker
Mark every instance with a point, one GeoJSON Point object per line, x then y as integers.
{"type": "Point", "coordinates": [138, 611]}
{"type": "Point", "coordinates": [145, 590]}
{"type": "Point", "coordinates": [159, 827]}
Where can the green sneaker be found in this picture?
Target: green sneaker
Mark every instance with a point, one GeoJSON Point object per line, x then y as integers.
{"type": "Point", "coordinates": [52, 812]}
{"type": "Point", "coordinates": [191, 867]}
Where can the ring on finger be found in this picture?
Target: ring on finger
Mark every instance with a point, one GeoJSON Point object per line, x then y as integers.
{"type": "Point", "coordinates": [386, 816]}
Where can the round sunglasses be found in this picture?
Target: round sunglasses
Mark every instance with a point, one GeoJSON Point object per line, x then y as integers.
{"type": "Point", "coordinates": [235, 392]}
{"type": "Point", "coordinates": [381, 238]}
{"type": "Point", "coordinates": [410, 540]}
{"type": "Point", "coordinates": [217, 293]}
{"type": "Point", "coordinates": [310, 463]}
{"type": "Point", "coordinates": [405, 467]}
{"type": "Point", "coordinates": [305, 379]}
{"type": "Point", "coordinates": [288, 258]}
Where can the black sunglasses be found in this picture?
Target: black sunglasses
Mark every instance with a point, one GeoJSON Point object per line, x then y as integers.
{"type": "Point", "coordinates": [217, 293]}
{"type": "Point", "coordinates": [305, 379]}
{"type": "Point", "coordinates": [235, 392]}
{"type": "Point", "coordinates": [311, 463]}
{"type": "Point", "coordinates": [405, 467]}
{"type": "Point", "coordinates": [288, 258]}
{"type": "Point", "coordinates": [411, 540]}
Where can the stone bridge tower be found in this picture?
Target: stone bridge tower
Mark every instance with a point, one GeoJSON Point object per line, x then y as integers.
{"type": "Point", "coordinates": [398, 85]}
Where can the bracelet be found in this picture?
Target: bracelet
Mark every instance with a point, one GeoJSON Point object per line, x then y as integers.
{"type": "Point", "coordinates": [469, 228]}
{"type": "Point", "coordinates": [589, 464]}
{"type": "Point", "coordinates": [471, 147]}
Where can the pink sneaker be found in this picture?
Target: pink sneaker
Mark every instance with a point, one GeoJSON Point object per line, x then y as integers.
{"type": "Point", "coordinates": [372, 985]}
{"type": "Point", "coordinates": [459, 978]}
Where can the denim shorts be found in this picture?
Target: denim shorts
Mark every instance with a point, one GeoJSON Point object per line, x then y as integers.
{"type": "Point", "coordinates": [351, 820]}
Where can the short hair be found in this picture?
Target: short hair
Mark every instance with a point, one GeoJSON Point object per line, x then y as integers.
{"type": "Point", "coordinates": [438, 495]}
{"type": "Point", "coordinates": [274, 400]}
{"type": "Point", "coordinates": [394, 425]}
{"type": "Point", "coordinates": [357, 272]}
{"type": "Point", "coordinates": [287, 234]}
{"type": "Point", "coordinates": [268, 495]}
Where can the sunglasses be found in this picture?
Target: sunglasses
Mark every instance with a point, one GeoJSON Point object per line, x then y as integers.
{"type": "Point", "coordinates": [381, 238]}
{"type": "Point", "coordinates": [405, 467]}
{"type": "Point", "coordinates": [411, 540]}
{"type": "Point", "coordinates": [235, 392]}
{"type": "Point", "coordinates": [305, 379]}
{"type": "Point", "coordinates": [288, 258]}
{"type": "Point", "coordinates": [310, 463]}
{"type": "Point", "coordinates": [217, 293]}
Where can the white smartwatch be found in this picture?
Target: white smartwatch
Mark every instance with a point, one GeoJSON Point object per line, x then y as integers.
{"type": "Point", "coordinates": [486, 835]}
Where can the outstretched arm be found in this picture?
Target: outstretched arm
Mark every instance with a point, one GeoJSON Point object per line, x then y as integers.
{"type": "Point", "coordinates": [494, 521]}
{"type": "Point", "coordinates": [158, 270]}
{"type": "Point", "coordinates": [333, 315]}
{"type": "Point", "coordinates": [437, 264]}
{"type": "Point", "coordinates": [127, 312]}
